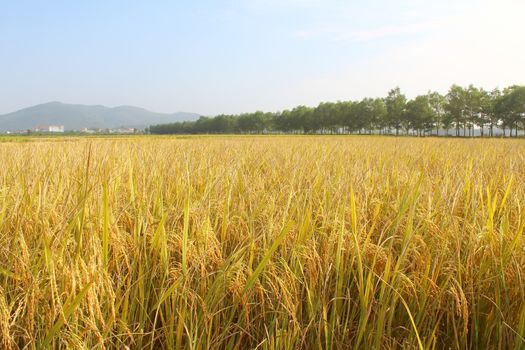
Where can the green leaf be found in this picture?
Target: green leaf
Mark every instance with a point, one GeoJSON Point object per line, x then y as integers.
{"type": "Point", "coordinates": [68, 310]}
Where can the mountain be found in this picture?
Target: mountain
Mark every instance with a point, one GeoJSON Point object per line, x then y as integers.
{"type": "Point", "coordinates": [75, 117]}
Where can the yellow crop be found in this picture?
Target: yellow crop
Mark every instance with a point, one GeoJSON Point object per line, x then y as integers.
{"type": "Point", "coordinates": [262, 242]}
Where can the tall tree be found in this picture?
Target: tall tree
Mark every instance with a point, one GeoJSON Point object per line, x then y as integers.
{"type": "Point", "coordinates": [437, 104]}
{"type": "Point", "coordinates": [455, 106]}
{"type": "Point", "coordinates": [379, 113]}
{"type": "Point", "coordinates": [472, 108]}
{"type": "Point", "coordinates": [419, 114]}
{"type": "Point", "coordinates": [489, 107]}
{"type": "Point", "coordinates": [347, 115]}
{"type": "Point", "coordinates": [364, 110]}
{"type": "Point", "coordinates": [487, 115]}
{"type": "Point", "coordinates": [395, 106]}
{"type": "Point", "coordinates": [303, 119]}
{"type": "Point", "coordinates": [326, 117]}
{"type": "Point", "coordinates": [511, 106]}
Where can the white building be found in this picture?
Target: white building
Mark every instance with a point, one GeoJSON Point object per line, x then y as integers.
{"type": "Point", "coordinates": [125, 130]}
{"type": "Point", "coordinates": [49, 128]}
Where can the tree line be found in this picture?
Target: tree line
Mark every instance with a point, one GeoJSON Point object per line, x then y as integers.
{"type": "Point", "coordinates": [460, 112]}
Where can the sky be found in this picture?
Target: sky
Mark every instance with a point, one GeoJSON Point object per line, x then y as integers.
{"type": "Point", "coordinates": [234, 56]}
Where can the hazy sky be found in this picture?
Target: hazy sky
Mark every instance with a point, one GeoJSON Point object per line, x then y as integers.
{"type": "Point", "coordinates": [225, 56]}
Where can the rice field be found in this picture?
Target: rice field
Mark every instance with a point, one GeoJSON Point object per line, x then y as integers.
{"type": "Point", "coordinates": [262, 243]}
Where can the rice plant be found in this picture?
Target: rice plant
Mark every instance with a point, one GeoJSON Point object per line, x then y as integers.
{"type": "Point", "coordinates": [262, 243]}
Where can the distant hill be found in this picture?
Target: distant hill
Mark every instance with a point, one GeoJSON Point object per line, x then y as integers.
{"type": "Point", "coordinates": [75, 117]}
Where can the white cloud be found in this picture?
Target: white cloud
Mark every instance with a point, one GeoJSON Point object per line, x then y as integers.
{"type": "Point", "coordinates": [363, 24]}
{"type": "Point", "coordinates": [483, 45]}
{"type": "Point", "coordinates": [395, 30]}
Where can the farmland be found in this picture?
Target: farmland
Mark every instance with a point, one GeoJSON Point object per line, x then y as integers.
{"type": "Point", "coordinates": [270, 242]}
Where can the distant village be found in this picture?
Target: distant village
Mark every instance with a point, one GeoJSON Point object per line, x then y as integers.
{"type": "Point", "coordinates": [57, 129]}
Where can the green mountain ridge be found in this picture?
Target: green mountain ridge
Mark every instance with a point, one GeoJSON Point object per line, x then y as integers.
{"type": "Point", "coordinates": [76, 117]}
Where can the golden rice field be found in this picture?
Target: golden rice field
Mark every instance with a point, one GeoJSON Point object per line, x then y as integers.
{"type": "Point", "coordinates": [262, 243]}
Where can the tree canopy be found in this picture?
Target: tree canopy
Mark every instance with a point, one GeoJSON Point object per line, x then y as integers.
{"type": "Point", "coordinates": [464, 109]}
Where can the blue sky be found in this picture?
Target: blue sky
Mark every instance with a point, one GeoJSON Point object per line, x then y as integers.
{"type": "Point", "coordinates": [215, 57]}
